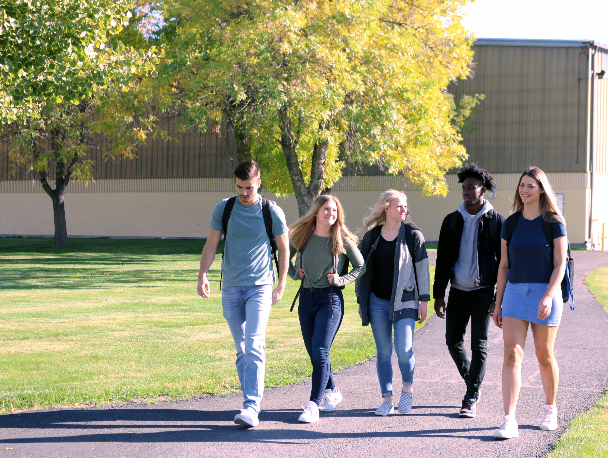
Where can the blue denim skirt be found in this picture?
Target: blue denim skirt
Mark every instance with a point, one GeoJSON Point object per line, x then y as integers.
{"type": "Point", "coordinates": [521, 301]}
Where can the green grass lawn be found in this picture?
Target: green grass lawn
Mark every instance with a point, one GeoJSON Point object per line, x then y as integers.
{"type": "Point", "coordinates": [587, 435]}
{"type": "Point", "coordinates": [108, 320]}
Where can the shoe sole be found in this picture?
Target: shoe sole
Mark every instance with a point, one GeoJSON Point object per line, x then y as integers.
{"type": "Point", "coordinates": [505, 437]}
{"type": "Point", "coordinates": [307, 421]}
{"type": "Point", "coordinates": [548, 428]}
{"type": "Point", "coordinates": [467, 415]}
{"type": "Point", "coordinates": [405, 411]}
{"type": "Point", "coordinates": [382, 414]}
{"type": "Point", "coordinates": [327, 409]}
{"type": "Point", "coordinates": [239, 421]}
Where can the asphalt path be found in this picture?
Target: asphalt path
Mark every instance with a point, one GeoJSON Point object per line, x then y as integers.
{"type": "Point", "coordinates": [203, 426]}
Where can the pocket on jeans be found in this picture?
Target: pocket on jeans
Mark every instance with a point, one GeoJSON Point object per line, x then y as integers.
{"type": "Point", "coordinates": [226, 288]}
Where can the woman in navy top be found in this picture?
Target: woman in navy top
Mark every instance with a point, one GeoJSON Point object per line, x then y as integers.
{"type": "Point", "coordinates": [528, 293]}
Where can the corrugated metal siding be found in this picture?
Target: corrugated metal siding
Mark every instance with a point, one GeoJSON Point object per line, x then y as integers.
{"type": "Point", "coordinates": [600, 162]}
{"type": "Point", "coordinates": [534, 108]}
{"type": "Point", "coordinates": [190, 154]}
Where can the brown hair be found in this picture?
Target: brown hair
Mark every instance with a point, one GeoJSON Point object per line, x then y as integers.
{"type": "Point", "coordinates": [547, 202]}
{"type": "Point", "coordinates": [300, 231]}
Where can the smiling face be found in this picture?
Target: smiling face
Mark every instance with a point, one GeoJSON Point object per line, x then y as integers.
{"type": "Point", "coordinates": [529, 191]}
{"type": "Point", "coordinates": [397, 209]}
{"type": "Point", "coordinates": [248, 190]}
{"type": "Point", "coordinates": [327, 214]}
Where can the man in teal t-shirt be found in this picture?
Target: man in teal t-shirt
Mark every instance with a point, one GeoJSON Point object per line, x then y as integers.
{"type": "Point", "coordinates": [248, 276]}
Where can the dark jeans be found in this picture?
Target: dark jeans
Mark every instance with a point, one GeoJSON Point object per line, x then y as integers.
{"type": "Point", "coordinates": [462, 306]}
{"type": "Point", "coordinates": [320, 312]}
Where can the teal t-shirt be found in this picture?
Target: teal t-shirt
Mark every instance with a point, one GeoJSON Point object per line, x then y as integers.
{"type": "Point", "coordinates": [247, 254]}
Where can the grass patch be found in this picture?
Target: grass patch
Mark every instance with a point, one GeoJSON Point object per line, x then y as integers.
{"type": "Point", "coordinates": [587, 435]}
{"type": "Point", "coordinates": [107, 320]}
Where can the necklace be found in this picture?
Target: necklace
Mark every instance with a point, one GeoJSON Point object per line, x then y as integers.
{"type": "Point", "coordinates": [388, 237]}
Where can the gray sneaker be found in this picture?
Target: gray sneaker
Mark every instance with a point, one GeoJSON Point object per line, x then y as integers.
{"type": "Point", "coordinates": [386, 408]}
{"type": "Point", "coordinates": [247, 417]}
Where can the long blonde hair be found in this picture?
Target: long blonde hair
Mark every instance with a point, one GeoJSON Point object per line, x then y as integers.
{"type": "Point", "coordinates": [378, 215]}
{"type": "Point", "coordinates": [300, 231]}
{"type": "Point", "coordinates": [547, 202]}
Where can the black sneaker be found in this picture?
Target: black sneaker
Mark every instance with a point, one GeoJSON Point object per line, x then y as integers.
{"type": "Point", "coordinates": [469, 408]}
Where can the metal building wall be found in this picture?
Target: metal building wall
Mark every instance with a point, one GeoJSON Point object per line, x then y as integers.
{"type": "Point", "coordinates": [600, 160]}
{"type": "Point", "coordinates": [534, 111]}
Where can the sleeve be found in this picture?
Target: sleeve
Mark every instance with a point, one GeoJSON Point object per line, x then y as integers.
{"type": "Point", "coordinates": [216, 216]}
{"type": "Point", "coordinates": [292, 272]}
{"type": "Point", "coordinates": [279, 226]}
{"type": "Point", "coordinates": [559, 230]}
{"type": "Point", "coordinates": [356, 259]}
{"type": "Point", "coordinates": [442, 264]}
{"type": "Point", "coordinates": [503, 230]}
{"type": "Point", "coordinates": [421, 261]}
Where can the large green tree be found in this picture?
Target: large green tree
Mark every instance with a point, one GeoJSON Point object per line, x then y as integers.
{"type": "Point", "coordinates": [65, 69]}
{"type": "Point", "coordinates": [307, 85]}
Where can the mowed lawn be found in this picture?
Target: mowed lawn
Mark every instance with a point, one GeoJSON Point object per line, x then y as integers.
{"type": "Point", "coordinates": [119, 319]}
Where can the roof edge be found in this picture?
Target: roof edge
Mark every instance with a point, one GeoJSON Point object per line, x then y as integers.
{"type": "Point", "coordinates": [538, 42]}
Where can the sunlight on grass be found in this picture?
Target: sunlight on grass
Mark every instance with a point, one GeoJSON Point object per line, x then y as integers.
{"type": "Point", "coordinates": [114, 320]}
{"type": "Point", "coordinates": [587, 435]}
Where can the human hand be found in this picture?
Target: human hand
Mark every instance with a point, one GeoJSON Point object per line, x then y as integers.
{"type": "Point", "coordinates": [203, 288]}
{"type": "Point", "coordinates": [497, 315]}
{"type": "Point", "coordinates": [301, 272]}
{"type": "Point", "coordinates": [440, 307]}
{"type": "Point", "coordinates": [491, 309]}
{"type": "Point", "coordinates": [423, 311]}
{"type": "Point", "coordinates": [277, 294]}
{"type": "Point", "coordinates": [544, 307]}
{"type": "Point", "coordinates": [330, 278]}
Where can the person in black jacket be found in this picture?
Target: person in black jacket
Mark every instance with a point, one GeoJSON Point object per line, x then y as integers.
{"type": "Point", "coordinates": [468, 255]}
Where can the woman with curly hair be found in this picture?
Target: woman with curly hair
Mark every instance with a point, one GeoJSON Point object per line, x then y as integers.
{"type": "Point", "coordinates": [393, 292]}
{"type": "Point", "coordinates": [323, 244]}
{"type": "Point", "coordinates": [528, 293]}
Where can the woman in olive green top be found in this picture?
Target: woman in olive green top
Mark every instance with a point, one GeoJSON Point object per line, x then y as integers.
{"type": "Point", "coordinates": [323, 244]}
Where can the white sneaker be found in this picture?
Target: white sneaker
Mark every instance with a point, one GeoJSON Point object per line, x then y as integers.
{"type": "Point", "coordinates": [247, 417]}
{"type": "Point", "coordinates": [508, 429]}
{"type": "Point", "coordinates": [310, 414]}
{"type": "Point", "coordinates": [330, 400]}
{"type": "Point", "coordinates": [549, 418]}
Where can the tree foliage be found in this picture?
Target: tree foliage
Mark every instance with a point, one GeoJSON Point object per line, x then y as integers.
{"type": "Point", "coordinates": [69, 79]}
{"type": "Point", "coordinates": [62, 51]}
{"type": "Point", "coordinates": [307, 85]}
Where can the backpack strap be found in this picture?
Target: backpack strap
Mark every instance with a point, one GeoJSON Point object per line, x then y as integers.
{"type": "Point", "coordinates": [301, 281]}
{"type": "Point", "coordinates": [268, 223]}
{"type": "Point", "coordinates": [510, 224]}
{"type": "Point", "coordinates": [409, 240]}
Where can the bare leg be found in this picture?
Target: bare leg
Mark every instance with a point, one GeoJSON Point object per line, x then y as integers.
{"type": "Point", "coordinates": [514, 333]}
{"type": "Point", "coordinates": [544, 340]}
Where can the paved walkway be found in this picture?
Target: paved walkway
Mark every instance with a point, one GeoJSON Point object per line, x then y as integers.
{"type": "Point", "coordinates": [203, 426]}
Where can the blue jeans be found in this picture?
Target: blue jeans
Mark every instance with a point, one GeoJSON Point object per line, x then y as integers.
{"type": "Point", "coordinates": [320, 312]}
{"type": "Point", "coordinates": [463, 306]}
{"type": "Point", "coordinates": [382, 328]}
{"type": "Point", "coordinates": [246, 309]}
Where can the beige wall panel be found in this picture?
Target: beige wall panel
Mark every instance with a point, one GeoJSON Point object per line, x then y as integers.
{"type": "Point", "coordinates": [169, 209]}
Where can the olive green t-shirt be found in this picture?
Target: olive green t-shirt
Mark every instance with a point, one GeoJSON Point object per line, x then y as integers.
{"type": "Point", "coordinates": [317, 261]}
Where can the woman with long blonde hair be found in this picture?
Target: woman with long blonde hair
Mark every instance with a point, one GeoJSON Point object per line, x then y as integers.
{"type": "Point", "coordinates": [528, 292]}
{"type": "Point", "coordinates": [393, 292]}
{"type": "Point", "coordinates": [324, 246]}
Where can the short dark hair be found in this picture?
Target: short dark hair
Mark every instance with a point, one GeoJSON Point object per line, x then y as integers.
{"type": "Point", "coordinates": [474, 171]}
{"type": "Point", "coordinates": [247, 170]}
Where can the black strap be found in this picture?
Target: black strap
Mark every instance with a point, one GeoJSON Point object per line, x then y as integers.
{"type": "Point", "coordinates": [301, 281]}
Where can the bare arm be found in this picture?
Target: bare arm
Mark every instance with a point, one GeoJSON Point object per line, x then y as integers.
{"type": "Point", "coordinates": [283, 257]}
{"type": "Point", "coordinates": [207, 258]}
{"type": "Point", "coordinates": [501, 283]}
{"type": "Point", "coordinates": [560, 246]}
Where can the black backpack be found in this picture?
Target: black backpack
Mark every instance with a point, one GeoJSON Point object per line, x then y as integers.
{"type": "Point", "coordinates": [568, 280]}
{"type": "Point", "coordinates": [267, 222]}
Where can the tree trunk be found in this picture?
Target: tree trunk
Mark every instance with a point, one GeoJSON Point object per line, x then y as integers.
{"type": "Point", "coordinates": [57, 195]}
{"type": "Point", "coordinates": [305, 194]}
